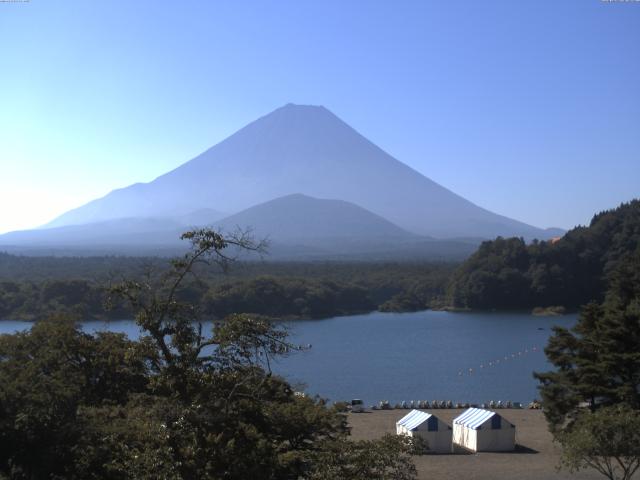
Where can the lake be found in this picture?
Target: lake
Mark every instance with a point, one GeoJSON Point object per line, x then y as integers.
{"type": "Point", "coordinates": [463, 357]}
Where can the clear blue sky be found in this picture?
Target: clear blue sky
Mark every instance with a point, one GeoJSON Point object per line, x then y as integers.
{"type": "Point", "coordinates": [528, 108]}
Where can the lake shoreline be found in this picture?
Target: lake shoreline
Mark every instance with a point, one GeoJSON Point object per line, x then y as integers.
{"type": "Point", "coordinates": [536, 312]}
{"type": "Point", "coordinates": [427, 355]}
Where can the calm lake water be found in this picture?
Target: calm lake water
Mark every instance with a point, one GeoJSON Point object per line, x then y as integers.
{"type": "Point", "coordinates": [409, 356]}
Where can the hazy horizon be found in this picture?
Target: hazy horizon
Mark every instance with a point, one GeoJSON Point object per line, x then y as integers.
{"type": "Point", "coordinates": [538, 127]}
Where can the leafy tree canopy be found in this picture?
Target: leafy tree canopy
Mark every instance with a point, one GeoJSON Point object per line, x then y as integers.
{"type": "Point", "coordinates": [592, 399]}
{"type": "Point", "coordinates": [570, 272]}
{"type": "Point", "coordinates": [180, 403]}
{"type": "Point", "coordinates": [598, 361]}
{"type": "Point", "coordinates": [607, 440]}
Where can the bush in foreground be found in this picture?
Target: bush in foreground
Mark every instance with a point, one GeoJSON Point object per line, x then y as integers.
{"type": "Point", "coordinates": [179, 403]}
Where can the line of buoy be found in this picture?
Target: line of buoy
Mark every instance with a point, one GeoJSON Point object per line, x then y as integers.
{"type": "Point", "coordinates": [497, 361]}
{"type": "Point", "coordinates": [438, 404]}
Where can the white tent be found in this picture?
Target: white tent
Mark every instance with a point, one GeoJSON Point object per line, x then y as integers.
{"type": "Point", "coordinates": [481, 430]}
{"type": "Point", "coordinates": [428, 426]}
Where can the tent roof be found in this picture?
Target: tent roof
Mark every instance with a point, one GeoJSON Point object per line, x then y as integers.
{"type": "Point", "coordinates": [413, 419]}
{"type": "Point", "coordinates": [473, 418]}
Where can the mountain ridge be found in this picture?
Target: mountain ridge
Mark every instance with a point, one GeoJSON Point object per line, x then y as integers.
{"type": "Point", "coordinates": [297, 217]}
{"type": "Point", "coordinates": [304, 149]}
{"type": "Point", "coordinates": [297, 227]}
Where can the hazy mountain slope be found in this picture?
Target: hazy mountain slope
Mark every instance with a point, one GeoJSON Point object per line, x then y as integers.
{"type": "Point", "coordinates": [303, 149]}
{"type": "Point", "coordinates": [301, 227]}
{"type": "Point", "coordinates": [125, 231]}
{"type": "Point", "coordinates": [203, 216]}
{"type": "Point", "coordinates": [297, 226]}
{"type": "Point", "coordinates": [291, 219]}
{"type": "Point", "coordinates": [300, 218]}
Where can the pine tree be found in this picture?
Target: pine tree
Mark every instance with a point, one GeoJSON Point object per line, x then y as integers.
{"type": "Point", "coordinates": [598, 361]}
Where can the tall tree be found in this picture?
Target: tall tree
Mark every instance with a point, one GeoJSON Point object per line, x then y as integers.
{"type": "Point", "coordinates": [592, 399]}
{"type": "Point", "coordinates": [186, 401]}
{"type": "Point", "coordinates": [598, 361]}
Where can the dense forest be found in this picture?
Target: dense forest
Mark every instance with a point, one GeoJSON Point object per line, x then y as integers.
{"type": "Point", "coordinates": [568, 272]}
{"type": "Point", "coordinates": [502, 274]}
{"type": "Point", "coordinates": [33, 287]}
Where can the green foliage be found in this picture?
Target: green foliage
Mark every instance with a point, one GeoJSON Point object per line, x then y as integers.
{"type": "Point", "coordinates": [598, 361]}
{"type": "Point", "coordinates": [607, 440]}
{"type": "Point", "coordinates": [508, 274]}
{"type": "Point", "coordinates": [285, 297]}
{"type": "Point", "coordinates": [47, 375]}
{"type": "Point", "coordinates": [598, 366]}
{"type": "Point", "coordinates": [180, 403]}
{"type": "Point", "coordinates": [33, 287]}
{"type": "Point", "coordinates": [27, 300]}
{"type": "Point", "coordinates": [388, 458]}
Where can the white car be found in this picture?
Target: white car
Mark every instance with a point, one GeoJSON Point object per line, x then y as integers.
{"type": "Point", "coordinates": [357, 406]}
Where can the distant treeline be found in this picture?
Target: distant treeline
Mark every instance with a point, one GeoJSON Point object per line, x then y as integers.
{"type": "Point", "coordinates": [572, 271]}
{"type": "Point", "coordinates": [35, 287]}
{"type": "Point", "coordinates": [502, 274]}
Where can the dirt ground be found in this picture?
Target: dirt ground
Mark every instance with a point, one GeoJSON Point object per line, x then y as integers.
{"type": "Point", "coordinates": [536, 456]}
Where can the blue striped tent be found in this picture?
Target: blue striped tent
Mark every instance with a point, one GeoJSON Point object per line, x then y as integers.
{"type": "Point", "coordinates": [426, 425]}
{"type": "Point", "coordinates": [479, 430]}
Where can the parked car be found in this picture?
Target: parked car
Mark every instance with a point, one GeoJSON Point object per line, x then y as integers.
{"type": "Point", "coordinates": [357, 405]}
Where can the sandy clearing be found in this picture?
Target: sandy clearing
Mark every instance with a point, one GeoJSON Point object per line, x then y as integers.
{"type": "Point", "coordinates": [536, 457]}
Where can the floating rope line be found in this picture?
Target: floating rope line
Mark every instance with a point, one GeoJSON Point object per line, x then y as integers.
{"type": "Point", "coordinates": [496, 362]}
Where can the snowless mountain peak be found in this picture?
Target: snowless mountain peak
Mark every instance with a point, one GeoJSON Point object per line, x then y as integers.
{"type": "Point", "coordinates": [303, 149]}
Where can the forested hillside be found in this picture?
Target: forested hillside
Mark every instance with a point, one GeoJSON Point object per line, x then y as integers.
{"type": "Point", "coordinates": [32, 287]}
{"type": "Point", "coordinates": [569, 272]}
{"type": "Point", "coordinates": [502, 274]}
